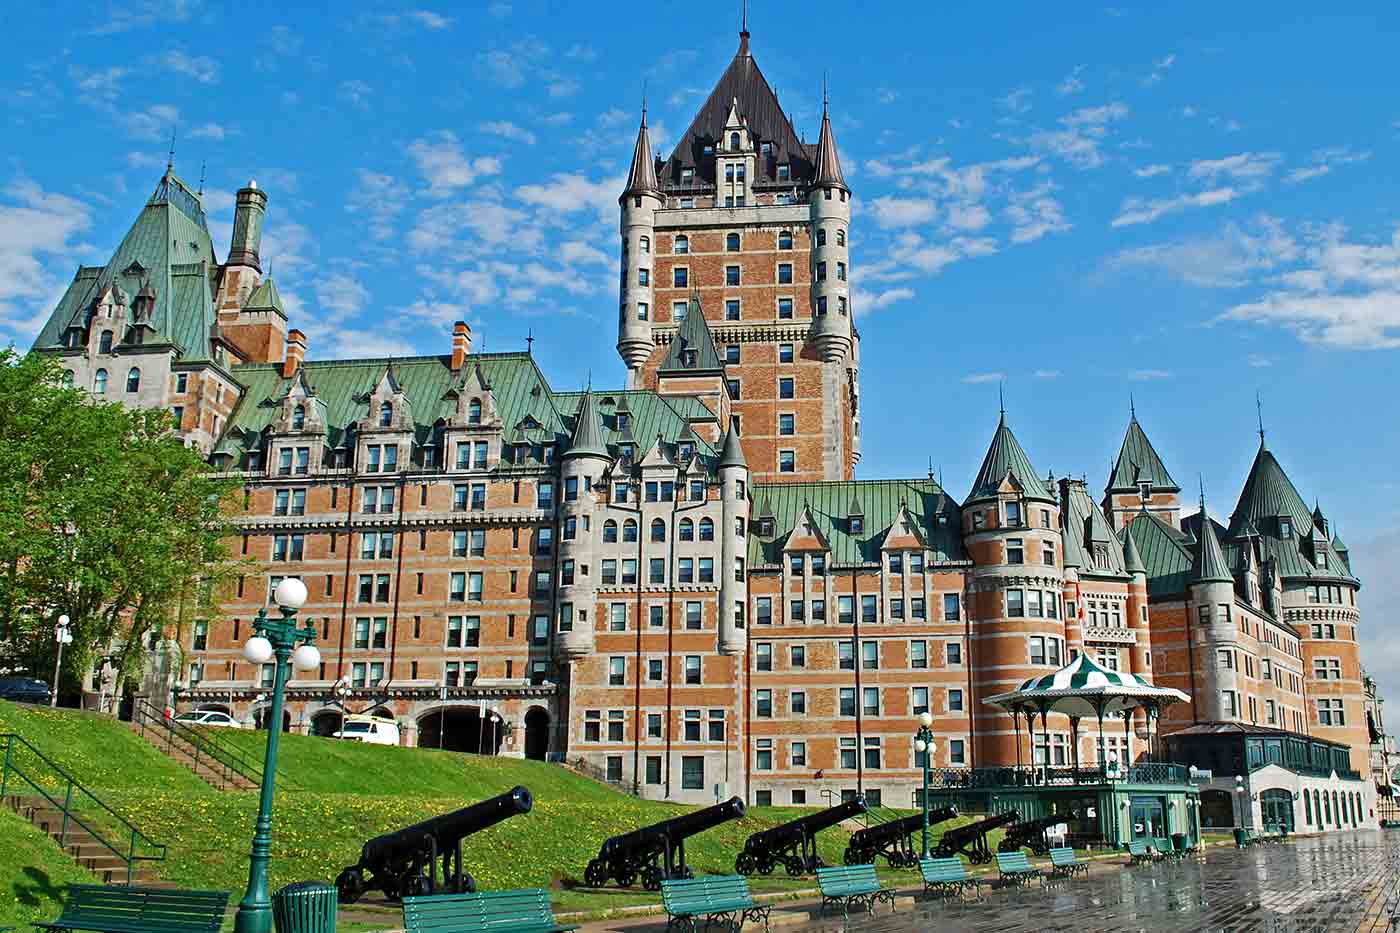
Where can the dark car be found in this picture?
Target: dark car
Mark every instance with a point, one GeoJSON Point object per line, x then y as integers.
{"type": "Point", "coordinates": [24, 690]}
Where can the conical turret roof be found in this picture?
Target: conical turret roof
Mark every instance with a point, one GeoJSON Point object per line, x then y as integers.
{"type": "Point", "coordinates": [588, 430]}
{"type": "Point", "coordinates": [732, 453]}
{"type": "Point", "coordinates": [1268, 493]}
{"type": "Point", "coordinates": [1209, 565]}
{"type": "Point", "coordinates": [827, 171]}
{"type": "Point", "coordinates": [693, 335]}
{"type": "Point", "coordinates": [1138, 462]}
{"type": "Point", "coordinates": [1132, 560]}
{"type": "Point", "coordinates": [641, 179]}
{"type": "Point", "coordinates": [1006, 456]}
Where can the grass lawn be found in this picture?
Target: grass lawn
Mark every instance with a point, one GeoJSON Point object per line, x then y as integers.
{"type": "Point", "coordinates": [33, 873]}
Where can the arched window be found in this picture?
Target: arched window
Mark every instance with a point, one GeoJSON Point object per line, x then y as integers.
{"type": "Point", "coordinates": [840, 237]}
{"type": "Point", "coordinates": [821, 236]}
{"type": "Point", "coordinates": [629, 530]}
{"type": "Point", "coordinates": [784, 239]}
{"type": "Point", "coordinates": [386, 415]}
{"type": "Point", "coordinates": [731, 243]}
{"type": "Point", "coordinates": [734, 141]}
{"type": "Point", "coordinates": [104, 343]}
{"type": "Point", "coordinates": [474, 411]}
{"type": "Point", "coordinates": [298, 417]}
{"type": "Point", "coordinates": [68, 378]}
{"type": "Point", "coordinates": [658, 530]}
{"type": "Point", "coordinates": [645, 243]}
{"type": "Point", "coordinates": [1327, 805]}
{"type": "Point", "coordinates": [1307, 807]}
{"type": "Point", "coordinates": [682, 245]}
{"type": "Point", "coordinates": [687, 530]}
{"type": "Point", "coordinates": [610, 532]}
{"type": "Point", "coordinates": [707, 530]}
{"type": "Point", "coordinates": [99, 382]}
{"type": "Point", "coordinates": [133, 379]}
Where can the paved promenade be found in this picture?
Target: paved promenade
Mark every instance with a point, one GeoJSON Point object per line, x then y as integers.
{"type": "Point", "coordinates": [1339, 883]}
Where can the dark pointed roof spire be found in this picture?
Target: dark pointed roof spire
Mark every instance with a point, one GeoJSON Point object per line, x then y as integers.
{"type": "Point", "coordinates": [1132, 560]}
{"type": "Point", "coordinates": [744, 28]}
{"type": "Point", "coordinates": [1209, 565]}
{"type": "Point", "coordinates": [588, 430]}
{"type": "Point", "coordinates": [827, 168]}
{"type": "Point", "coordinates": [641, 179]}
{"type": "Point", "coordinates": [1259, 406]}
{"type": "Point", "coordinates": [1005, 457]}
{"type": "Point", "coordinates": [732, 453]}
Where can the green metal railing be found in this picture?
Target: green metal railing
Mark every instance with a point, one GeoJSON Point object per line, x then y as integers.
{"type": "Point", "coordinates": [44, 777]}
{"type": "Point", "coordinates": [203, 748]}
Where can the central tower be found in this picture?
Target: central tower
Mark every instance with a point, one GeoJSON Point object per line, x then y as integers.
{"type": "Point", "coordinates": [749, 225]}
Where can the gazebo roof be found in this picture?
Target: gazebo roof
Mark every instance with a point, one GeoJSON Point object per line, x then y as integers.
{"type": "Point", "coordinates": [1083, 689]}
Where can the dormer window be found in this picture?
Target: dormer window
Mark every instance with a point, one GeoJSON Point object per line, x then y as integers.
{"type": "Point", "coordinates": [628, 451]}
{"type": "Point", "coordinates": [104, 342]}
{"type": "Point", "coordinates": [386, 415]}
{"type": "Point", "coordinates": [1321, 559]}
{"type": "Point", "coordinates": [1013, 514]}
{"type": "Point", "coordinates": [857, 524]}
{"type": "Point", "coordinates": [1145, 490]}
{"type": "Point", "coordinates": [766, 149]}
{"type": "Point", "coordinates": [734, 141]}
{"type": "Point", "coordinates": [690, 358]}
{"type": "Point", "coordinates": [765, 527]}
{"type": "Point", "coordinates": [474, 411]}
{"type": "Point", "coordinates": [621, 420]}
{"type": "Point", "coordinates": [784, 172]}
{"type": "Point", "coordinates": [298, 417]}
{"type": "Point", "coordinates": [688, 174]}
{"type": "Point", "coordinates": [1285, 528]}
{"type": "Point", "coordinates": [685, 450]}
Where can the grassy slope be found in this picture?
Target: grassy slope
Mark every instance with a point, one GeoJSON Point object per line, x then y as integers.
{"type": "Point", "coordinates": [347, 793]}
{"type": "Point", "coordinates": [33, 873]}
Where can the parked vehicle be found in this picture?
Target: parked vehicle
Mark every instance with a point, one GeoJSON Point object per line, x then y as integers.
{"type": "Point", "coordinates": [209, 717]}
{"type": "Point", "coordinates": [368, 729]}
{"type": "Point", "coordinates": [24, 690]}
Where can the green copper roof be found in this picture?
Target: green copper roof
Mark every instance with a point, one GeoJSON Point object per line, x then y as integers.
{"type": "Point", "coordinates": [587, 439]}
{"type": "Point", "coordinates": [1163, 552]}
{"type": "Point", "coordinates": [1132, 560]}
{"type": "Point", "coordinates": [732, 454]}
{"type": "Point", "coordinates": [1209, 565]}
{"type": "Point", "coordinates": [1084, 523]}
{"type": "Point", "coordinates": [879, 502]}
{"type": "Point", "coordinates": [637, 416]}
{"type": "Point", "coordinates": [169, 247]}
{"type": "Point", "coordinates": [1138, 463]}
{"type": "Point", "coordinates": [1337, 544]}
{"type": "Point", "coordinates": [1003, 457]}
{"type": "Point", "coordinates": [693, 334]}
{"type": "Point", "coordinates": [265, 297]}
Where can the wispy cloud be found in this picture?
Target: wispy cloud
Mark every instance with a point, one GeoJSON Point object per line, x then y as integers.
{"type": "Point", "coordinates": [1080, 135]}
{"type": "Point", "coordinates": [1149, 375]}
{"type": "Point", "coordinates": [1159, 71]}
{"type": "Point", "coordinates": [355, 93]}
{"type": "Point", "coordinates": [446, 167]}
{"type": "Point", "coordinates": [1229, 259]}
{"type": "Point", "coordinates": [1072, 83]}
{"type": "Point", "coordinates": [974, 379]}
{"type": "Point", "coordinates": [1324, 161]}
{"type": "Point", "coordinates": [201, 68]}
{"type": "Point", "coordinates": [1017, 101]}
{"type": "Point", "coordinates": [38, 229]}
{"type": "Point", "coordinates": [1046, 374]}
{"type": "Point", "coordinates": [507, 130]}
{"type": "Point", "coordinates": [138, 14]}
{"type": "Point", "coordinates": [1152, 171]}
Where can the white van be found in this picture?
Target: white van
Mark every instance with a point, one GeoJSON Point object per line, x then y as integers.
{"type": "Point", "coordinates": [369, 729]}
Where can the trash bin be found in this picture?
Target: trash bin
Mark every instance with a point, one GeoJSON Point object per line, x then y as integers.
{"type": "Point", "coordinates": [305, 907]}
{"type": "Point", "coordinates": [1239, 838]}
{"type": "Point", "coordinates": [1179, 842]}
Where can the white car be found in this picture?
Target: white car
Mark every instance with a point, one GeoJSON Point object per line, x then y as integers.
{"type": "Point", "coordinates": [369, 730]}
{"type": "Point", "coordinates": [209, 717]}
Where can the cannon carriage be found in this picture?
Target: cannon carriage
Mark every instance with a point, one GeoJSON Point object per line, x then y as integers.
{"type": "Point", "coordinates": [1030, 834]}
{"type": "Point", "coordinates": [657, 852]}
{"type": "Point", "coordinates": [793, 844]}
{"type": "Point", "coordinates": [406, 862]}
{"type": "Point", "coordinates": [971, 839]}
{"type": "Point", "coordinates": [893, 839]}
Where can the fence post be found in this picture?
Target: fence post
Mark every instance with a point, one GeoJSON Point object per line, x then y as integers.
{"type": "Point", "coordinates": [67, 806]}
{"type": "Point", "coordinates": [5, 774]}
{"type": "Point", "coordinates": [131, 856]}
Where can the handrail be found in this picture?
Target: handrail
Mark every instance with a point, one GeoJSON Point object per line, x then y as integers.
{"type": "Point", "coordinates": [217, 755]}
{"type": "Point", "coordinates": [11, 768]}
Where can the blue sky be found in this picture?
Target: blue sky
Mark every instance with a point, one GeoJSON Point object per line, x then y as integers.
{"type": "Point", "coordinates": [1190, 203]}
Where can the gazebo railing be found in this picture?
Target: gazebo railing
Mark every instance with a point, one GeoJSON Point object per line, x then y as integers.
{"type": "Point", "coordinates": [963, 779]}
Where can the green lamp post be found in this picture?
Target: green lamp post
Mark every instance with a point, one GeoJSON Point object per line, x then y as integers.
{"type": "Point", "coordinates": [923, 745]}
{"type": "Point", "coordinates": [278, 639]}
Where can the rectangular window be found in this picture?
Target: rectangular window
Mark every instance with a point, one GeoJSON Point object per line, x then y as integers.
{"type": "Point", "coordinates": [763, 656]}
{"type": "Point", "coordinates": [731, 275]}
{"type": "Point", "coordinates": [870, 701]}
{"type": "Point", "coordinates": [920, 700]}
{"type": "Point", "coordinates": [692, 772]}
{"type": "Point", "coordinates": [1015, 549]}
{"type": "Point", "coordinates": [786, 388]}
{"type": "Point", "coordinates": [617, 721]}
{"type": "Point", "coordinates": [707, 570]}
{"type": "Point", "coordinates": [692, 668]}
{"type": "Point", "coordinates": [957, 753]}
{"type": "Point", "coordinates": [918, 655]}
{"type": "Point", "coordinates": [1015, 603]}
{"type": "Point", "coordinates": [955, 700]}
{"type": "Point", "coordinates": [848, 701]}
{"type": "Point", "coordinates": [784, 273]}
{"type": "Point", "coordinates": [617, 672]}
{"type": "Point", "coordinates": [787, 424]}
{"type": "Point", "coordinates": [787, 461]}
{"type": "Point", "coordinates": [656, 572]}
{"type": "Point", "coordinates": [870, 656]}
{"type": "Point", "coordinates": [617, 617]}
{"type": "Point", "coordinates": [845, 610]}
{"type": "Point", "coordinates": [763, 704]}
{"type": "Point", "coordinates": [693, 619]}
{"type": "Point", "coordinates": [785, 349]}
{"type": "Point", "coordinates": [868, 605]}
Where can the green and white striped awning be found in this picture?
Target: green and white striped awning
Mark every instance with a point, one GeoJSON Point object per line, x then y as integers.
{"type": "Point", "coordinates": [1083, 689]}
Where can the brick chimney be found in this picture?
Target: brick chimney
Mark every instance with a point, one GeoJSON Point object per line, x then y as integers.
{"type": "Point", "coordinates": [296, 353]}
{"type": "Point", "coordinates": [461, 344]}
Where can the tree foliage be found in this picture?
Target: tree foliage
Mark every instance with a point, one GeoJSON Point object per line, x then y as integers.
{"type": "Point", "coordinates": [104, 516]}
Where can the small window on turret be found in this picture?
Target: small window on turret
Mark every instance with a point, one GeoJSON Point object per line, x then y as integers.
{"type": "Point", "coordinates": [766, 149]}
{"type": "Point", "coordinates": [827, 194]}
{"type": "Point", "coordinates": [840, 237]}
{"type": "Point", "coordinates": [784, 172]}
{"type": "Point", "coordinates": [642, 310]}
{"type": "Point", "coordinates": [687, 176]}
{"type": "Point", "coordinates": [645, 244]}
{"type": "Point", "coordinates": [637, 201]}
{"type": "Point", "coordinates": [784, 239]}
{"type": "Point", "coordinates": [1285, 528]}
{"type": "Point", "coordinates": [821, 236]}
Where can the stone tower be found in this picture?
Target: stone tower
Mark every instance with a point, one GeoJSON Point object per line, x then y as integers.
{"type": "Point", "coordinates": [754, 222]}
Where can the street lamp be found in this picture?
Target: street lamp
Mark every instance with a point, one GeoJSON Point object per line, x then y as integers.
{"type": "Point", "coordinates": [1239, 797]}
{"type": "Point", "coordinates": [62, 635]}
{"type": "Point", "coordinates": [282, 640]}
{"type": "Point", "coordinates": [923, 745]}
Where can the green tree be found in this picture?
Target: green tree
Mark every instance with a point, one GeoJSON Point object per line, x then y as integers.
{"type": "Point", "coordinates": [104, 516]}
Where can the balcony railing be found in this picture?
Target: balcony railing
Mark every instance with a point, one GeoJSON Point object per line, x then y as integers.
{"type": "Point", "coordinates": [1150, 772]}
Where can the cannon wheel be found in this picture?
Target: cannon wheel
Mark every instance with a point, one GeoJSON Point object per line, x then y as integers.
{"type": "Point", "coordinates": [766, 864]}
{"type": "Point", "coordinates": [744, 864]}
{"type": "Point", "coordinates": [413, 885]}
{"type": "Point", "coordinates": [350, 885]}
{"type": "Point", "coordinates": [794, 866]}
{"type": "Point", "coordinates": [687, 872]}
{"type": "Point", "coordinates": [980, 858]}
{"type": "Point", "coordinates": [651, 878]}
{"type": "Point", "coordinates": [596, 874]}
{"type": "Point", "coordinates": [854, 856]}
{"type": "Point", "coordinates": [626, 875]}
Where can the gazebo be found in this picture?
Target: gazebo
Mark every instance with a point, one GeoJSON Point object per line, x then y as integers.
{"type": "Point", "coordinates": [1080, 690]}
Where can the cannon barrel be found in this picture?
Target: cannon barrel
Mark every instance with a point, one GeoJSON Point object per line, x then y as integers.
{"type": "Point", "coordinates": [881, 833]}
{"type": "Point", "coordinates": [1038, 825]}
{"type": "Point", "coordinates": [959, 835]}
{"type": "Point", "coordinates": [674, 829]}
{"type": "Point", "coordinates": [446, 829]}
{"type": "Point", "coordinates": [779, 836]}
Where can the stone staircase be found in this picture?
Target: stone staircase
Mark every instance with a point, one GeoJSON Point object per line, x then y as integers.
{"type": "Point", "coordinates": [83, 847]}
{"type": "Point", "coordinates": [177, 747]}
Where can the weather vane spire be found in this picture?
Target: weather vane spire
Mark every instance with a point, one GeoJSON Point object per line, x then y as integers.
{"type": "Point", "coordinates": [203, 167]}
{"type": "Point", "coordinates": [1259, 407]}
{"type": "Point", "coordinates": [170, 160]}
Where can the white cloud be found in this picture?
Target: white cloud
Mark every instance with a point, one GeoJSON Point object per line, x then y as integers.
{"type": "Point", "coordinates": [446, 167]}
{"type": "Point", "coordinates": [201, 68]}
{"type": "Point", "coordinates": [1046, 374]}
{"type": "Point", "coordinates": [99, 87]}
{"type": "Point", "coordinates": [1139, 211]}
{"type": "Point", "coordinates": [1324, 161]}
{"type": "Point", "coordinates": [509, 66]}
{"type": "Point", "coordinates": [561, 86]}
{"type": "Point", "coordinates": [1159, 71]}
{"type": "Point", "coordinates": [38, 230]}
{"type": "Point", "coordinates": [1081, 134]}
{"type": "Point", "coordinates": [1152, 171]}
{"type": "Point", "coordinates": [1016, 101]}
{"type": "Point", "coordinates": [974, 379]}
{"type": "Point", "coordinates": [155, 122]}
{"type": "Point", "coordinates": [1244, 166]}
{"type": "Point", "coordinates": [428, 19]}
{"type": "Point", "coordinates": [1228, 259]}
{"type": "Point", "coordinates": [507, 130]}
{"type": "Point", "coordinates": [1258, 361]}
{"type": "Point", "coordinates": [209, 131]}
{"type": "Point", "coordinates": [864, 302]}
{"type": "Point", "coordinates": [356, 93]}
{"type": "Point", "coordinates": [1072, 84]}
{"type": "Point", "coordinates": [141, 13]}
{"type": "Point", "coordinates": [341, 294]}
{"type": "Point", "coordinates": [1149, 375]}
{"type": "Point", "coordinates": [893, 213]}
{"type": "Point", "coordinates": [581, 52]}
{"type": "Point", "coordinates": [571, 192]}
{"type": "Point", "coordinates": [366, 344]}
{"type": "Point", "coordinates": [1034, 214]}
{"type": "Point", "coordinates": [381, 198]}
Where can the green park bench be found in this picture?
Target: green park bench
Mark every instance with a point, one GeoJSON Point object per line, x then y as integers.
{"type": "Point", "coordinates": [526, 909]}
{"type": "Point", "coordinates": [1139, 852]}
{"type": "Point", "coordinates": [1163, 849]}
{"type": "Point", "coordinates": [112, 909]}
{"type": "Point", "coordinates": [715, 898]}
{"type": "Point", "coordinates": [852, 884]}
{"type": "Point", "coordinates": [1016, 869]}
{"type": "Point", "coordinates": [948, 877]}
{"type": "Point", "coordinates": [1064, 864]}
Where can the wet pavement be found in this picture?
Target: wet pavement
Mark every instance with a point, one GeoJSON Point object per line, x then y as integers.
{"type": "Point", "coordinates": [1343, 882]}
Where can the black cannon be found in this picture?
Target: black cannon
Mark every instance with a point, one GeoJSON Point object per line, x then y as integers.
{"type": "Point", "coordinates": [793, 844]}
{"type": "Point", "coordinates": [656, 852]}
{"type": "Point", "coordinates": [1031, 833]}
{"type": "Point", "coordinates": [893, 839]}
{"type": "Point", "coordinates": [405, 863]}
{"type": "Point", "coordinates": [971, 839]}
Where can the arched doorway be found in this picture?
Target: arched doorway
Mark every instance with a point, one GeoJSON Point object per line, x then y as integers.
{"type": "Point", "coordinates": [327, 722]}
{"type": "Point", "coordinates": [1276, 808]}
{"type": "Point", "coordinates": [537, 734]}
{"type": "Point", "coordinates": [1217, 809]}
{"type": "Point", "coordinates": [260, 718]}
{"type": "Point", "coordinates": [461, 729]}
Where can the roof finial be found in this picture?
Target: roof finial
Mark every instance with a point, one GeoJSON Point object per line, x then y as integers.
{"type": "Point", "coordinates": [1202, 478]}
{"type": "Point", "coordinates": [203, 166]}
{"type": "Point", "coordinates": [744, 18]}
{"type": "Point", "coordinates": [930, 469]}
{"type": "Point", "coordinates": [170, 161]}
{"type": "Point", "coordinates": [1259, 406]}
{"type": "Point", "coordinates": [644, 102]}
{"type": "Point", "coordinates": [1132, 406]}
{"type": "Point", "coordinates": [530, 342]}
{"type": "Point", "coordinates": [825, 99]}
{"type": "Point", "coordinates": [1001, 398]}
